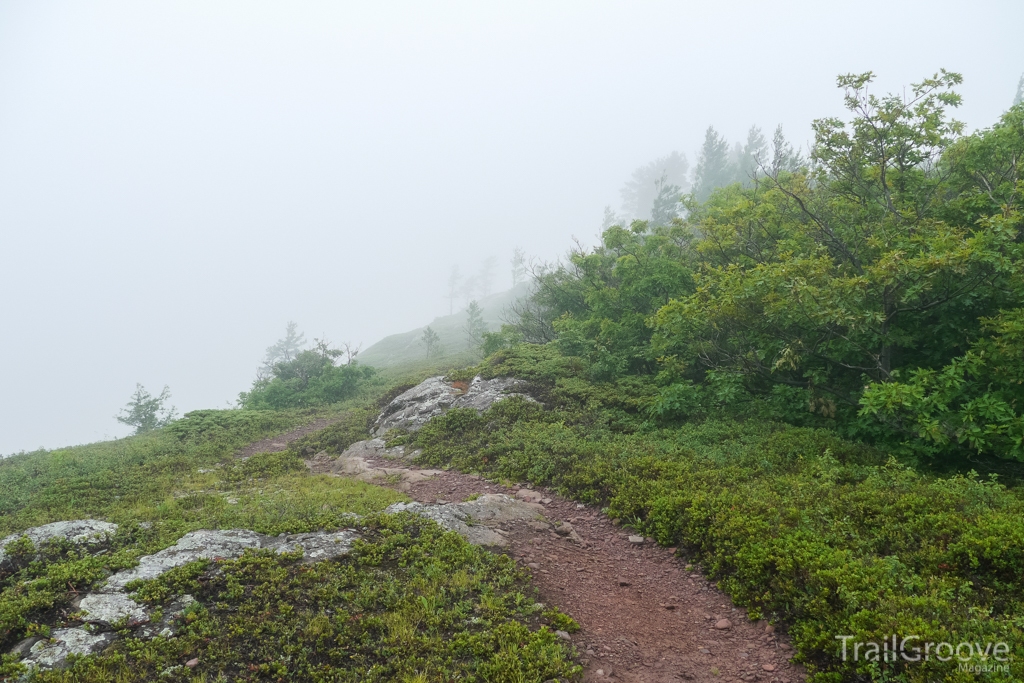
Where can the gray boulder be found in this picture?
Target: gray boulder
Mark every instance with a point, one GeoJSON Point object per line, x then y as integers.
{"type": "Point", "coordinates": [432, 397]}
{"type": "Point", "coordinates": [106, 609]}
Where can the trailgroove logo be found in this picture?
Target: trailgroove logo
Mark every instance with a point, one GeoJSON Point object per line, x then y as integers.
{"type": "Point", "coordinates": [973, 657]}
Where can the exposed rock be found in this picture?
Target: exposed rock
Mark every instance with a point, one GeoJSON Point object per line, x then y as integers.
{"type": "Point", "coordinates": [106, 609]}
{"type": "Point", "coordinates": [723, 624]}
{"type": "Point", "coordinates": [564, 635]}
{"type": "Point", "coordinates": [54, 652]}
{"type": "Point", "coordinates": [529, 495]}
{"type": "Point", "coordinates": [316, 546]}
{"type": "Point", "coordinates": [196, 545]}
{"type": "Point", "coordinates": [472, 519]}
{"type": "Point", "coordinates": [636, 540]}
{"type": "Point", "coordinates": [375, 448]}
{"type": "Point", "coordinates": [353, 464]}
{"type": "Point", "coordinates": [433, 397]}
{"type": "Point", "coordinates": [23, 647]}
{"type": "Point", "coordinates": [79, 532]}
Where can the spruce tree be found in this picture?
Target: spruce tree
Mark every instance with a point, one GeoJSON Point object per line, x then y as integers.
{"type": "Point", "coordinates": [713, 166]}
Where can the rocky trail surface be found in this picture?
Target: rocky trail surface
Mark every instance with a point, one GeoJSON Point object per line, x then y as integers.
{"type": "Point", "coordinates": [645, 612]}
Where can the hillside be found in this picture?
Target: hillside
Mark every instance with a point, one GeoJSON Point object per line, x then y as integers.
{"type": "Point", "coordinates": [406, 348]}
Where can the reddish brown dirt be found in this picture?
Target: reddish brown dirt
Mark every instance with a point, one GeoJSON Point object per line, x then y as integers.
{"type": "Point", "coordinates": [644, 617]}
{"type": "Point", "coordinates": [273, 444]}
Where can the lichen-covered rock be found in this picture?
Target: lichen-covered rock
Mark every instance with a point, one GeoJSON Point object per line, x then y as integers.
{"type": "Point", "coordinates": [106, 609]}
{"type": "Point", "coordinates": [197, 545]}
{"type": "Point", "coordinates": [475, 520]}
{"type": "Point", "coordinates": [79, 532]}
{"type": "Point", "coordinates": [64, 642]}
{"type": "Point", "coordinates": [316, 546]}
{"type": "Point", "coordinates": [433, 397]}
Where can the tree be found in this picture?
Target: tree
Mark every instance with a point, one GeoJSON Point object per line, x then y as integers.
{"type": "Point", "coordinates": [311, 378]}
{"type": "Point", "coordinates": [431, 340]}
{"type": "Point", "coordinates": [453, 288]}
{"type": "Point", "coordinates": [146, 412]}
{"type": "Point", "coordinates": [475, 326]}
{"type": "Point", "coordinates": [1019, 98]}
{"type": "Point", "coordinates": [518, 266]}
{"type": "Point", "coordinates": [784, 157]}
{"type": "Point", "coordinates": [666, 203]}
{"type": "Point", "coordinates": [641, 190]}
{"type": "Point", "coordinates": [751, 156]}
{"type": "Point", "coordinates": [283, 350]}
{"type": "Point", "coordinates": [885, 259]}
{"type": "Point", "coordinates": [713, 166]}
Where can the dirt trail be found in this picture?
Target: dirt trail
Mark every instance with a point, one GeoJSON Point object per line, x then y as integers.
{"type": "Point", "coordinates": [644, 617]}
{"type": "Point", "coordinates": [274, 444]}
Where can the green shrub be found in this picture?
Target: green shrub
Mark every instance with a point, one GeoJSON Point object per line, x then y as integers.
{"type": "Point", "coordinates": [797, 524]}
{"type": "Point", "coordinates": [410, 603]}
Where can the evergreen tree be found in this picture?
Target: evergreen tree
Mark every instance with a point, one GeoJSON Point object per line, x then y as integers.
{"type": "Point", "coordinates": [666, 203]}
{"type": "Point", "coordinates": [751, 156]}
{"type": "Point", "coordinates": [146, 412]}
{"type": "Point", "coordinates": [284, 350]}
{"type": "Point", "coordinates": [610, 218]}
{"type": "Point", "coordinates": [518, 266]}
{"type": "Point", "coordinates": [784, 157]}
{"type": "Point", "coordinates": [431, 340]}
{"type": "Point", "coordinates": [713, 166]}
{"type": "Point", "coordinates": [475, 325]}
{"type": "Point", "coordinates": [1020, 91]}
{"type": "Point", "coordinates": [641, 190]}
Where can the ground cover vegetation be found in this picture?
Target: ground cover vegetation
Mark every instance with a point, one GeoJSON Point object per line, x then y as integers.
{"type": "Point", "coordinates": [411, 603]}
{"type": "Point", "coordinates": [799, 381]}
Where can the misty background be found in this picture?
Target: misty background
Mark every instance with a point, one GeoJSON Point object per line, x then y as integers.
{"type": "Point", "coordinates": [179, 180]}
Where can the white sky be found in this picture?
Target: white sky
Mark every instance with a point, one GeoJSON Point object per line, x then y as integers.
{"type": "Point", "coordinates": [179, 179]}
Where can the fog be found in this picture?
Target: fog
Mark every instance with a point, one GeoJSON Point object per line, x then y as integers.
{"type": "Point", "coordinates": [178, 180]}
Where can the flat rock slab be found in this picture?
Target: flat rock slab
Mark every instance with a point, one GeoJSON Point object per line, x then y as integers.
{"type": "Point", "coordinates": [434, 396]}
{"type": "Point", "coordinates": [79, 532]}
{"type": "Point", "coordinates": [475, 520]}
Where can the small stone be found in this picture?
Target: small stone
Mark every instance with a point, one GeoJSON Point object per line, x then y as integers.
{"type": "Point", "coordinates": [545, 501]}
{"type": "Point", "coordinates": [624, 582]}
{"type": "Point", "coordinates": [768, 667]}
{"type": "Point", "coordinates": [564, 529]}
{"type": "Point", "coordinates": [563, 635]}
{"type": "Point", "coordinates": [669, 607]}
{"type": "Point", "coordinates": [599, 672]}
{"type": "Point", "coordinates": [769, 629]}
{"type": "Point", "coordinates": [590, 653]}
{"type": "Point", "coordinates": [616, 521]}
{"type": "Point", "coordinates": [533, 565]}
{"type": "Point", "coordinates": [636, 540]}
{"type": "Point", "coordinates": [783, 646]}
{"type": "Point", "coordinates": [723, 624]}
{"type": "Point", "coordinates": [704, 651]}
{"type": "Point", "coordinates": [232, 501]}
{"type": "Point", "coordinates": [192, 663]}
{"type": "Point", "coordinates": [529, 495]}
